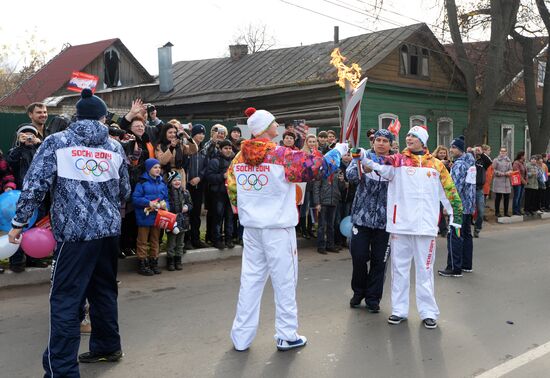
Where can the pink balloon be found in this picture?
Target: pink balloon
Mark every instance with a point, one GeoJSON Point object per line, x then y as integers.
{"type": "Point", "coordinates": [38, 242]}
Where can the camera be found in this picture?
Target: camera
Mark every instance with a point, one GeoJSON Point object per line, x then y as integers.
{"type": "Point", "coordinates": [150, 108]}
{"type": "Point", "coordinates": [30, 138]}
{"type": "Point", "coordinates": [116, 132]}
{"type": "Point", "coordinates": [111, 118]}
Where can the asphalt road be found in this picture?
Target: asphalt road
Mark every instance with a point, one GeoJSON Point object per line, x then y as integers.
{"type": "Point", "coordinates": [177, 324]}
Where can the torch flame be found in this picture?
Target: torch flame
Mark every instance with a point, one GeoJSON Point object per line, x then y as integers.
{"type": "Point", "coordinates": [351, 74]}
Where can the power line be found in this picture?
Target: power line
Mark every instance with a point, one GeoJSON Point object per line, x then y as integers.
{"type": "Point", "coordinates": [441, 52]}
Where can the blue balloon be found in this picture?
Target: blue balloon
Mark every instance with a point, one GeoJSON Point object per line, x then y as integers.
{"type": "Point", "coordinates": [346, 226]}
{"type": "Point", "coordinates": [8, 205]}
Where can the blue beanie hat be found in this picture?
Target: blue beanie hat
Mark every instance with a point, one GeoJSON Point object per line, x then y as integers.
{"type": "Point", "coordinates": [459, 143]}
{"type": "Point", "coordinates": [90, 106]}
{"type": "Point", "coordinates": [150, 163]}
{"type": "Point", "coordinates": [198, 129]}
{"type": "Point", "coordinates": [384, 133]}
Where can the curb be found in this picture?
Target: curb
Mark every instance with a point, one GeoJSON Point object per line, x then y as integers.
{"type": "Point", "coordinates": [36, 276]}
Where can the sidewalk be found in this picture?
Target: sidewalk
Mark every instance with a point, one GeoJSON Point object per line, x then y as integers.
{"type": "Point", "coordinates": [34, 276]}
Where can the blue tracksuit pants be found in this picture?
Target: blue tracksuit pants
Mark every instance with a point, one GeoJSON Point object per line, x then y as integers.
{"type": "Point", "coordinates": [82, 270]}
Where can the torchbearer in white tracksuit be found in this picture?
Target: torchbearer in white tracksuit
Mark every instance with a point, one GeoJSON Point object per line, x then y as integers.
{"type": "Point", "coordinates": [417, 183]}
{"type": "Point", "coordinates": [260, 183]}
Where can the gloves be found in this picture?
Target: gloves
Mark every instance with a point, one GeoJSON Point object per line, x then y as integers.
{"type": "Point", "coordinates": [358, 153]}
{"type": "Point", "coordinates": [456, 228]}
{"type": "Point", "coordinates": [342, 148]}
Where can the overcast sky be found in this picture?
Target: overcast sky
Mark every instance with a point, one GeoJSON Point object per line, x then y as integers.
{"type": "Point", "coordinates": [200, 29]}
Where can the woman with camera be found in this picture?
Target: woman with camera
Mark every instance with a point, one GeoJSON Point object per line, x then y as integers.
{"type": "Point", "coordinates": [173, 144]}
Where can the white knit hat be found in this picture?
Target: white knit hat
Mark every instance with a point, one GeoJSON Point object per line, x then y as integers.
{"type": "Point", "coordinates": [258, 120]}
{"type": "Point", "coordinates": [420, 132]}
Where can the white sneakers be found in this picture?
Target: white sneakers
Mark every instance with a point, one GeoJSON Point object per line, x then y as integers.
{"type": "Point", "coordinates": [284, 345]}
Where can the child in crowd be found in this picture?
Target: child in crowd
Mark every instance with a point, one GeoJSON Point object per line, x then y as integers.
{"type": "Point", "coordinates": [150, 195]}
{"type": "Point", "coordinates": [216, 174]}
{"type": "Point", "coordinates": [326, 196]}
{"type": "Point", "coordinates": [180, 204]}
{"type": "Point", "coordinates": [322, 141]}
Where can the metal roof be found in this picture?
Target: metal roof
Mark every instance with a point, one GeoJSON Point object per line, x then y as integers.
{"type": "Point", "coordinates": [285, 69]}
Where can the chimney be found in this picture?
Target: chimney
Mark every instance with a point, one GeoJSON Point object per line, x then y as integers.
{"type": "Point", "coordinates": [336, 36]}
{"type": "Point", "coordinates": [166, 78]}
{"type": "Point", "coordinates": [236, 52]}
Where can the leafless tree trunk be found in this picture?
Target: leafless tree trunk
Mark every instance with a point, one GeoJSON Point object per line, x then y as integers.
{"type": "Point", "coordinates": [539, 129]}
{"type": "Point", "coordinates": [482, 99]}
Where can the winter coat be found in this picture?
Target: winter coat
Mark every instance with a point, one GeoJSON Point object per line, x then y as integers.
{"type": "Point", "coordinates": [260, 181]}
{"type": "Point", "coordinates": [520, 167]}
{"type": "Point", "coordinates": [328, 191]}
{"type": "Point", "coordinates": [178, 199]}
{"type": "Point", "coordinates": [464, 175]}
{"type": "Point", "coordinates": [501, 182]}
{"type": "Point", "coordinates": [532, 176]}
{"type": "Point", "coordinates": [483, 162]}
{"type": "Point", "coordinates": [417, 183]}
{"type": "Point", "coordinates": [196, 167]}
{"type": "Point", "coordinates": [348, 193]}
{"type": "Point", "coordinates": [215, 171]}
{"type": "Point", "coordinates": [172, 158]}
{"type": "Point", "coordinates": [6, 176]}
{"type": "Point", "coordinates": [149, 189]}
{"type": "Point", "coordinates": [370, 202]}
{"type": "Point", "coordinates": [136, 165]}
{"type": "Point", "coordinates": [86, 174]}
{"type": "Point", "coordinates": [20, 158]}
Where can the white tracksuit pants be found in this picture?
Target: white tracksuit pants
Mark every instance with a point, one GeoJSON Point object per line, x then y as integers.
{"type": "Point", "coordinates": [266, 252]}
{"type": "Point", "coordinates": [403, 249]}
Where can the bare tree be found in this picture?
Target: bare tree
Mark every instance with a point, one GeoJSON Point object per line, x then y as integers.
{"type": "Point", "coordinates": [502, 15]}
{"type": "Point", "coordinates": [539, 128]}
{"type": "Point", "coordinates": [30, 58]}
{"type": "Point", "coordinates": [256, 37]}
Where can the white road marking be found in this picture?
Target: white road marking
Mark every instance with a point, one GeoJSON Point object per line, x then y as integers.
{"type": "Point", "coordinates": [514, 363]}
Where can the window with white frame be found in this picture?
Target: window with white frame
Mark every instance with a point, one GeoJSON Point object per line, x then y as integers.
{"type": "Point", "coordinates": [385, 119]}
{"type": "Point", "coordinates": [527, 145]}
{"type": "Point", "coordinates": [507, 138]}
{"type": "Point", "coordinates": [541, 70]}
{"type": "Point", "coordinates": [444, 131]}
{"type": "Point", "coordinates": [417, 120]}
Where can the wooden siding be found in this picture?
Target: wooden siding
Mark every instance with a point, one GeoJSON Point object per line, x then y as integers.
{"type": "Point", "coordinates": [406, 102]}
{"type": "Point", "coordinates": [129, 73]}
{"type": "Point", "coordinates": [389, 71]}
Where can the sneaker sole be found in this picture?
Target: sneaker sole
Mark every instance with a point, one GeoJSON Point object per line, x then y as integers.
{"type": "Point", "coordinates": [395, 322]}
{"type": "Point", "coordinates": [102, 359]}
{"type": "Point", "coordinates": [284, 349]}
{"type": "Point", "coordinates": [430, 327]}
{"type": "Point", "coordinates": [373, 310]}
{"type": "Point", "coordinates": [449, 275]}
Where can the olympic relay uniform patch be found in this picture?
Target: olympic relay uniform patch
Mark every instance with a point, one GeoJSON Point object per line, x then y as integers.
{"type": "Point", "coordinates": [88, 164]}
{"type": "Point", "coordinates": [265, 198]}
{"type": "Point", "coordinates": [252, 178]}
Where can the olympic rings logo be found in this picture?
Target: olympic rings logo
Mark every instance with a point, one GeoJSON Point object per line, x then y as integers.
{"type": "Point", "coordinates": [91, 166]}
{"type": "Point", "coordinates": [252, 181]}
